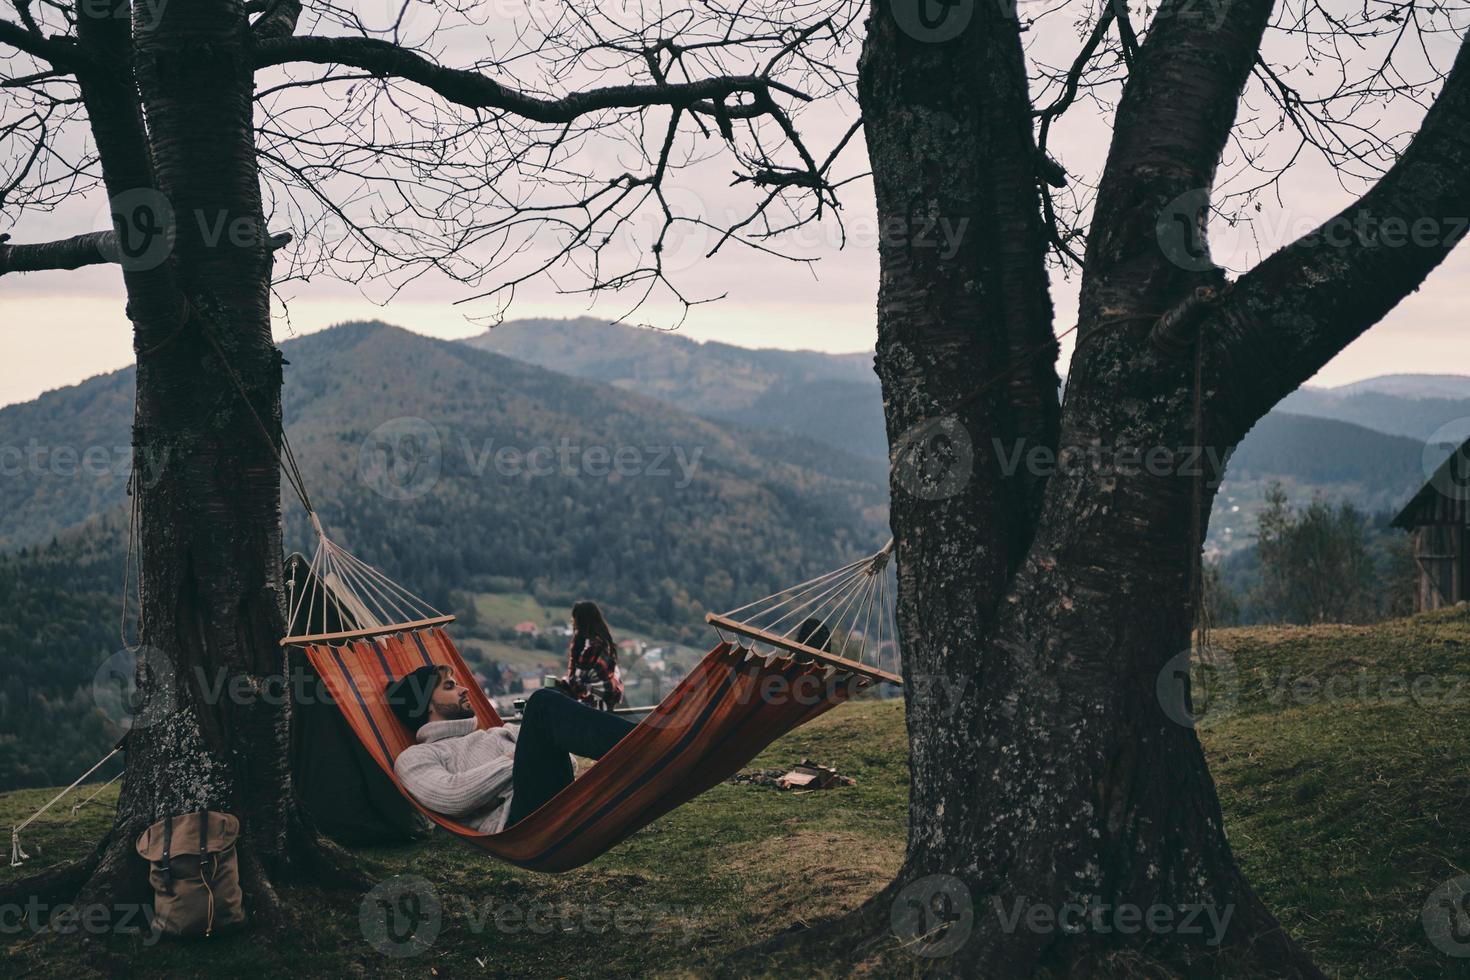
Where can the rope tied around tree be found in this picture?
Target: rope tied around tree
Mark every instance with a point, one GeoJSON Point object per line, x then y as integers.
{"type": "Point", "coordinates": [1196, 499]}
{"type": "Point", "coordinates": [280, 447]}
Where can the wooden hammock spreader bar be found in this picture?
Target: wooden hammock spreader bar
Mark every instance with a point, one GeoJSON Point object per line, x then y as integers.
{"type": "Point", "coordinates": [391, 628]}
{"type": "Point", "coordinates": [830, 659]}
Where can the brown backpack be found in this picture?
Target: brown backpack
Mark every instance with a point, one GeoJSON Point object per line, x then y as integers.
{"type": "Point", "coordinates": [194, 871]}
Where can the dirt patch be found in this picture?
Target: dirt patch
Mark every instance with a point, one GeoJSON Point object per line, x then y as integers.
{"type": "Point", "coordinates": [790, 875]}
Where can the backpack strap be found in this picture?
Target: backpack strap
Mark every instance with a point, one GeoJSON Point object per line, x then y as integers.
{"type": "Point", "coordinates": [205, 874]}
{"type": "Point", "coordinates": [168, 843]}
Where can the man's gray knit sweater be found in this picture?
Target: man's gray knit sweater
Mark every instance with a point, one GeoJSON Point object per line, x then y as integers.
{"type": "Point", "coordinates": [461, 772]}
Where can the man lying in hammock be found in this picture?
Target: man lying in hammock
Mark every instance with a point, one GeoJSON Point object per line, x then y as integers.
{"type": "Point", "coordinates": [490, 778]}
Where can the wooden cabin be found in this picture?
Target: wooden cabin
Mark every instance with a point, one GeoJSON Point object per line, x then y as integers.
{"type": "Point", "coordinates": [1439, 518]}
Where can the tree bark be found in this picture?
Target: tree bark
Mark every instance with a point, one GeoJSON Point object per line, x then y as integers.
{"type": "Point", "coordinates": [1040, 604]}
{"type": "Point", "coordinates": [212, 729]}
{"type": "Point", "coordinates": [962, 297]}
{"type": "Point", "coordinates": [92, 248]}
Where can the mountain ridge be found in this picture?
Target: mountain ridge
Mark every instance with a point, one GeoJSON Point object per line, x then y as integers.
{"type": "Point", "coordinates": [831, 398]}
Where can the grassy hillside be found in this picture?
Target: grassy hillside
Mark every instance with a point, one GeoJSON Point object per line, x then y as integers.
{"type": "Point", "coordinates": [1342, 757]}
{"type": "Point", "coordinates": [1343, 760]}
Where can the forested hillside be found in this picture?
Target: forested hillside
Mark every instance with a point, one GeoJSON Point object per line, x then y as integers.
{"type": "Point", "coordinates": [62, 616]}
{"type": "Point", "coordinates": [529, 485]}
{"type": "Point", "coordinates": [67, 456]}
{"type": "Point", "coordinates": [1316, 457]}
{"type": "Point", "coordinates": [458, 472]}
{"type": "Point", "coordinates": [833, 398]}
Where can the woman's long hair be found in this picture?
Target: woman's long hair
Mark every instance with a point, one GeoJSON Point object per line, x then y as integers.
{"type": "Point", "coordinates": [587, 622]}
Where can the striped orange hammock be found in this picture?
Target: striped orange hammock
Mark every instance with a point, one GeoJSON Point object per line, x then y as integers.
{"type": "Point", "coordinates": [360, 631]}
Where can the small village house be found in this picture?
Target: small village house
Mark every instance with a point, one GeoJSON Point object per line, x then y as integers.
{"type": "Point", "coordinates": [1438, 516]}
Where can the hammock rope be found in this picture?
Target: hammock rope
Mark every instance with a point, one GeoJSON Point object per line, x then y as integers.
{"type": "Point", "coordinates": [350, 591]}
{"type": "Point", "coordinates": [353, 623]}
{"type": "Point", "coordinates": [846, 610]}
{"type": "Point", "coordinates": [18, 854]}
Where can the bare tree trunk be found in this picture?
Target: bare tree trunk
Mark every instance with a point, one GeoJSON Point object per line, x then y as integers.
{"type": "Point", "coordinates": [1038, 613]}
{"type": "Point", "coordinates": [963, 297]}
{"type": "Point", "coordinates": [212, 730]}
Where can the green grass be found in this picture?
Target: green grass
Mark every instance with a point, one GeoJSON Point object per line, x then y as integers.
{"type": "Point", "coordinates": [1345, 811]}
{"type": "Point", "coordinates": [506, 609]}
{"type": "Point", "coordinates": [1346, 793]}
{"type": "Point", "coordinates": [745, 856]}
{"type": "Point", "coordinates": [480, 652]}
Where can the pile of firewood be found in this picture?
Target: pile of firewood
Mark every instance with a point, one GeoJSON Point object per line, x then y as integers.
{"type": "Point", "coordinates": [807, 775]}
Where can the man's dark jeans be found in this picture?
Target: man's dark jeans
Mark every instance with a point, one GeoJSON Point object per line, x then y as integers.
{"type": "Point", "coordinates": [553, 725]}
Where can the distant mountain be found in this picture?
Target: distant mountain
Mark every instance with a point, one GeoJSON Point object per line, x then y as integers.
{"type": "Point", "coordinates": [831, 398]}
{"type": "Point", "coordinates": [68, 455]}
{"type": "Point", "coordinates": [804, 415]}
{"type": "Point", "coordinates": [1452, 386]}
{"type": "Point", "coordinates": [1323, 451]}
{"type": "Point", "coordinates": [1362, 442]}
{"type": "Point", "coordinates": [835, 399]}
{"type": "Point", "coordinates": [635, 494]}
{"type": "Point", "coordinates": [1420, 406]}
{"type": "Point", "coordinates": [1317, 457]}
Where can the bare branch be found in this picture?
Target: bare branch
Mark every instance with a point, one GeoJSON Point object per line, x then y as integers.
{"type": "Point", "coordinates": [1287, 317]}
{"type": "Point", "coordinates": [92, 248]}
{"type": "Point", "coordinates": [475, 90]}
{"type": "Point", "coordinates": [60, 52]}
{"type": "Point", "coordinates": [399, 167]}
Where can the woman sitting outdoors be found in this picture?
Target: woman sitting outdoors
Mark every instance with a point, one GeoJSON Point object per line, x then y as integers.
{"type": "Point", "coordinates": [592, 675]}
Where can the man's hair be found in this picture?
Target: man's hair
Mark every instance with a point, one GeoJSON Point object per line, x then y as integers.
{"type": "Point", "coordinates": [409, 696]}
{"type": "Point", "coordinates": [814, 633]}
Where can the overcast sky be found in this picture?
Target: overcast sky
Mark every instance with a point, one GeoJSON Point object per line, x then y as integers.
{"type": "Point", "coordinates": [63, 327]}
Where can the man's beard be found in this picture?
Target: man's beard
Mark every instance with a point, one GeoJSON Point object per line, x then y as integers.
{"type": "Point", "coordinates": [459, 712]}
